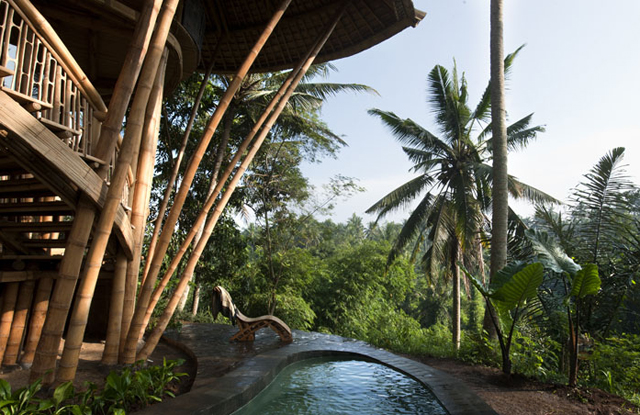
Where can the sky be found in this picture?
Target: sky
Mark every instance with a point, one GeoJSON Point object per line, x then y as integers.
{"type": "Point", "coordinates": [579, 73]}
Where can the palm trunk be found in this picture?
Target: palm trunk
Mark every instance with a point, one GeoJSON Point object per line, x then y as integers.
{"type": "Point", "coordinates": [499, 130]}
{"type": "Point", "coordinates": [168, 229]}
{"type": "Point", "coordinates": [36, 322]}
{"type": "Point", "coordinates": [135, 121]}
{"type": "Point", "coordinates": [25, 296]}
{"type": "Point", "coordinates": [9, 298]}
{"type": "Point", "coordinates": [455, 275]}
{"type": "Point", "coordinates": [47, 350]}
{"type": "Point", "coordinates": [155, 335]}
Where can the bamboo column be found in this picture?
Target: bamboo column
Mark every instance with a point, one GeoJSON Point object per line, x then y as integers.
{"type": "Point", "coordinates": [8, 307]}
{"type": "Point", "coordinates": [36, 321]}
{"type": "Point", "coordinates": [141, 196]}
{"type": "Point", "coordinates": [25, 296]}
{"type": "Point", "coordinates": [112, 343]}
{"type": "Point", "coordinates": [167, 231]}
{"type": "Point", "coordinates": [213, 196]}
{"type": "Point", "coordinates": [176, 168]}
{"type": "Point", "coordinates": [44, 361]}
{"type": "Point", "coordinates": [131, 141]}
{"type": "Point", "coordinates": [155, 335]}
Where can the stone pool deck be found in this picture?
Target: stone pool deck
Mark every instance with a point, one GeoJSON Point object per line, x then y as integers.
{"type": "Point", "coordinates": [231, 374]}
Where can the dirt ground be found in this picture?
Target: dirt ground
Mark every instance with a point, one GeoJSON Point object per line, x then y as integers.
{"type": "Point", "coordinates": [517, 395]}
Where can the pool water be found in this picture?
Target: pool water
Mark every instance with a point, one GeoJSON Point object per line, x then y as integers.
{"type": "Point", "coordinates": [327, 386]}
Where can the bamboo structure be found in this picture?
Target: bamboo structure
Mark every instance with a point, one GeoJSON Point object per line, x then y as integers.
{"type": "Point", "coordinates": [25, 296]}
{"type": "Point", "coordinates": [66, 83]}
{"type": "Point", "coordinates": [292, 82]}
{"type": "Point", "coordinates": [47, 350]}
{"type": "Point", "coordinates": [137, 326]}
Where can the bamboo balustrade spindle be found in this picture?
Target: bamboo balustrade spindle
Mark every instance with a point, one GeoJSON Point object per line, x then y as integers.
{"type": "Point", "coordinates": [132, 138]}
{"type": "Point", "coordinates": [25, 296]}
{"type": "Point", "coordinates": [167, 230]}
{"type": "Point", "coordinates": [47, 350]}
{"type": "Point", "coordinates": [155, 335]}
{"type": "Point", "coordinates": [36, 321]}
{"type": "Point", "coordinates": [142, 194]}
{"type": "Point", "coordinates": [112, 343]}
{"type": "Point", "coordinates": [8, 307]}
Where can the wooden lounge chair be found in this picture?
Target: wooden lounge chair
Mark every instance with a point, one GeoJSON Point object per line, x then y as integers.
{"type": "Point", "coordinates": [222, 303]}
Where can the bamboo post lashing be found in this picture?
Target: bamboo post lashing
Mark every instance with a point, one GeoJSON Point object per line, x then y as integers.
{"type": "Point", "coordinates": [8, 307]}
{"type": "Point", "coordinates": [36, 321]}
{"type": "Point", "coordinates": [167, 231]}
{"type": "Point", "coordinates": [47, 350]}
{"type": "Point", "coordinates": [112, 343]}
{"type": "Point", "coordinates": [132, 138]}
{"type": "Point", "coordinates": [141, 196]}
{"type": "Point", "coordinates": [25, 296]}
{"type": "Point", "coordinates": [174, 173]}
{"type": "Point", "coordinates": [155, 335]}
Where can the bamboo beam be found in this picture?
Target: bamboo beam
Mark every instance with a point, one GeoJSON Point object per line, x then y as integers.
{"type": "Point", "coordinates": [155, 335]}
{"type": "Point", "coordinates": [133, 133]}
{"type": "Point", "coordinates": [47, 350]}
{"type": "Point", "coordinates": [112, 343]}
{"type": "Point", "coordinates": [8, 308]}
{"type": "Point", "coordinates": [167, 231]}
{"type": "Point", "coordinates": [25, 296]}
{"type": "Point", "coordinates": [36, 321]}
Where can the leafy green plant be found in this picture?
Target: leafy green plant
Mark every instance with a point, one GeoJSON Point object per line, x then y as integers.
{"type": "Point", "coordinates": [513, 286]}
{"type": "Point", "coordinates": [132, 387]}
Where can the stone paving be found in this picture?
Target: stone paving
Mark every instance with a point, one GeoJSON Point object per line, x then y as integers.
{"type": "Point", "coordinates": [230, 374]}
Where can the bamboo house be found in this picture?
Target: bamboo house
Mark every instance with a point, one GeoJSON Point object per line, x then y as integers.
{"type": "Point", "coordinates": [75, 185]}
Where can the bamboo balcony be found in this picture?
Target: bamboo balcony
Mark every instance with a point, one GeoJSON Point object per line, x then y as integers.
{"type": "Point", "coordinates": [50, 118]}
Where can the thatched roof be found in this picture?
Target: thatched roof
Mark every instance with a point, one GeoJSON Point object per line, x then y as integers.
{"type": "Point", "coordinates": [233, 26]}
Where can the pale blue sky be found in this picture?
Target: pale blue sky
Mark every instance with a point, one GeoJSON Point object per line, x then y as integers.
{"type": "Point", "coordinates": [579, 74]}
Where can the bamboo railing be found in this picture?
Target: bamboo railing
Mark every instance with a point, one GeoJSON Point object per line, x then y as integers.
{"type": "Point", "coordinates": [39, 73]}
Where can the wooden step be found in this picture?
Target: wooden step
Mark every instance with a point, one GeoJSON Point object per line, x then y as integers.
{"type": "Point", "coordinates": [39, 227]}
{"type": "Point", "coordinates": [56, 208]}
{"type": "Point", "coordinates": [44, 243]}
{"type": "Point", "coordinates": [21, 188]}
{"type": "Point", "coordinates": [9, 167]}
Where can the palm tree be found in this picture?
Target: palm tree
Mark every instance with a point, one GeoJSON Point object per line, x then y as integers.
{"type": "Point", "coordinates": [455, 178]}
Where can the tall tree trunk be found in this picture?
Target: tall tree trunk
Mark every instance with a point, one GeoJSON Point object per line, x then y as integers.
{"type": "Point", "coordinates": [499, 130]}
{"type": "Point", "coordinates": [455, 275]}
{"type": "Point", "coordinates": [47, 351]}
{"type": "Point", "coordinates": [167, 230]}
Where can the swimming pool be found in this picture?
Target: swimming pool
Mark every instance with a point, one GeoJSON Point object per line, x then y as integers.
{"type": "Point", "coordinates": [326, 385]}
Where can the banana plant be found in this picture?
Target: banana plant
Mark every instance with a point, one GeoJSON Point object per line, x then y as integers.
{"type": "Point", "coordinates": [579, 282]}
{"type": "Point", "coordinates": [512, 289]}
